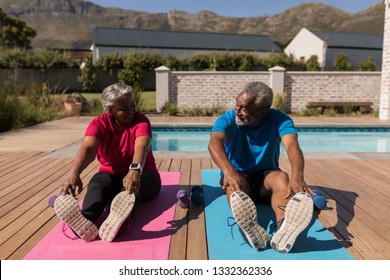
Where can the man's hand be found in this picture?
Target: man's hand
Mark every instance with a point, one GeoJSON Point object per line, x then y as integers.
{"type": "Point", "coordinates": [232, 181]}
{"type": "Point", "coordinates": [297, 185]}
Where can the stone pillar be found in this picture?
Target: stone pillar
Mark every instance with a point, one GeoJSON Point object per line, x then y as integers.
{"type": "Point", "coordinates": [162, 86]}
{"type": "Point", "coordinates": [384, 103]}
{"type": "Point", "coordinates": [277, 79]}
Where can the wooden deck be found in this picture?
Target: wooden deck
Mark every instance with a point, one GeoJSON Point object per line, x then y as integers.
{"type": "Point", "coordinates": [35, 161]}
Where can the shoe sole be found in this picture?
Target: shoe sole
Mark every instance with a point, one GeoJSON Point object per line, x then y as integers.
{"type": "Point", "coordinates": [121, 207]}
{"type": "Point", "coordinates": [68, 210]}
{"type": "Point", "coordinates": [298, 214]}
{"type": "Point", "coordinates": [245, 214]}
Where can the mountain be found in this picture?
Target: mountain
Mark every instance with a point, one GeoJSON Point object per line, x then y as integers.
{"type": "Point", "coordinates": [69, 23]}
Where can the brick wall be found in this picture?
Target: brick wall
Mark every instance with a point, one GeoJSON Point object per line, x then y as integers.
{"type": "Point", "coordinates": [218, 89]}
{"type": "Point", "coordinates": [384, 112]}
{"type": "Point", "coordinates": [303, 87]}
{"type": "Point", "coordinates": [209, 89]}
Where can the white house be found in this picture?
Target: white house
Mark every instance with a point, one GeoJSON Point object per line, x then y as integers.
{"type": "Point", "coordinates": [326, 45]}
{"type": "Point", "coordinates": [121, 40]}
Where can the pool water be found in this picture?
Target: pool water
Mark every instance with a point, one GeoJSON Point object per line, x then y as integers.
{"type": "Point", "coordinates": [310, 140]}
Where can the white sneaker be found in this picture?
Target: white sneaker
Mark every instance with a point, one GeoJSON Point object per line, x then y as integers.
{"type": "Point", "coordinates": [299, 212]}
{"type": "Point", "coordinates": [121, 207]}
{"type": "Point", "coordinates": [68, 210]}
{"type": "Point", "coordinates": [245, 214]}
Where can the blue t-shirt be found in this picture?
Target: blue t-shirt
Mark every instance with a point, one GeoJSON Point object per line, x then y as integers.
{"type": "Point", "coordinates": [254, 148]}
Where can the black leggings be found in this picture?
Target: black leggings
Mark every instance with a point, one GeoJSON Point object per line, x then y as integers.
{"type": "Point", "coordinates": [104, 186]}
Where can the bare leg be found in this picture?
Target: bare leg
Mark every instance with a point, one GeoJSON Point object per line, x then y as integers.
{"type": "Point", "coordinates": [245, 213]}
{"type": "Point", "coordinates": [277, 183]}
{"type": "Point", "coordinates": [245, 187]}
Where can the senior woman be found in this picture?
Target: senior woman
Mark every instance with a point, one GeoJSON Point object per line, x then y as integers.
{"type": "Point", "coordinates": [120, 138]}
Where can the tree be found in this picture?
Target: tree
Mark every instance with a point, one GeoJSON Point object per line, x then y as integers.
{"type": "Point", "coordinates": [312, 63]}
{"type": "Point", "coordinates": [342, 62]}
{"type": "Point", "coordinates": [14, 32]}
{"type": "Point", "coordinates": [367, 64]}
{"type": "Point", "coordinates": [88, 78]}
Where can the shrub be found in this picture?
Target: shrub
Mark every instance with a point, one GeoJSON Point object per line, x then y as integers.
{"type": "Point", "coordinates": [43, 59]}
{"type": "Point", "coordinates": [17, 111]}
{"type": "Point", "coordinates": [136, 66]}
{"type": "Point", "coordinates": [35, 115]}
{"type": "Point", "coordinates": [194, 112]}
{"type": "Point", "coordinates": [280, 102]}
{"type": "Point", "coordinates": [226, 61]}
{"type": "Point", "coordinates": [215, 111]}
{"type": "Point", "coordinates": [16, 58]}
{"type": "Point", "coordinates": [309, 111]}
{"type": "Point", "coordinates": [247, 62]}
{"type": "Point", "coordinates": [88, 77]}
{"type": "Point", "coordinates": [200, 62]}
{"type": "Point", "coordinates": [170, 109]}
{"type": "Point", "coordinates": [95, 108]}
{"type": "Point", "coordinates": [131, 73]}
{"type": "Point", "coordinates": [173, 62]}
{"type": "Point", "coordinates": [330, 112]}
{"type": "Point", "coordinates": [367, 64]}
{"type": "Point", "coordinates": [50, 59]}
{"type": "Point", "coordinates": [342, 63]}
{"type": "Point", "coordinates": [41, 95]}
{"type": "Point", "coordinates": [109, 62]}
{"type": "Point", "coordinates": [137, 98]}
{"type": "Point", "coordinates": [283, 60]}
{"type": "Point", "coordinates": [148, 60]}
{"type": "Point", "coordinates": [312, 63]}
{"type": "Point", "coordinates": [10, 110]}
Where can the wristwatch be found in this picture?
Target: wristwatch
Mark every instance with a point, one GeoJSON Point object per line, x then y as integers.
{"type": "Point", "coordinates": [136, 166]}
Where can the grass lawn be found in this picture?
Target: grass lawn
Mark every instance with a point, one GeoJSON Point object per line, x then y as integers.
{"type": "Point", "coordinates": [148, 99]}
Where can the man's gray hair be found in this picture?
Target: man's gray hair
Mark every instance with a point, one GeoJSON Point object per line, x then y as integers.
{"type": "Point", "coordinates": [113, 92]}
{"type": "Point", "coordinates": [262, 92]}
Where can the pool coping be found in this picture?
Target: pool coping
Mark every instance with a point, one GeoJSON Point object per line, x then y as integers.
{"type": "Point", "coordinates": [283, 155]}
{"type": "Point", "coordinates": [307, 155]}
{"type": "Point", "coordinates": [70, 150]}
{"type": "Point", "coordinates": [299, 125]}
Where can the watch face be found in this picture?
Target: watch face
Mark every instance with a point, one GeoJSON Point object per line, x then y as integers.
{"type": "Point", "coordinates": [135, 165]}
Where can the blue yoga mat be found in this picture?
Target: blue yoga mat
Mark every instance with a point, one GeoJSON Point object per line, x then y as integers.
{"type": "Point", "coordinates": [226, 243]}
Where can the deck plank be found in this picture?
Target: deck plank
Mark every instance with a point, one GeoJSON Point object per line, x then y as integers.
{"type": "Point", "coordinates": [178, 246]}
{"type": "Point", "coordinates": [29, 189]}
{"type": "Point", "coordinates": [35, 219]}
{"type": "Point", "coordinates": [356, 188]}
{"type": "Point", "coordinates": [352, 215]}
{"type": "Point", "coordinates": [196, 243]}
{"type": "Point", "coordinates": [16, 161]}
{"type": "Point", "coordinates": [28, 170]}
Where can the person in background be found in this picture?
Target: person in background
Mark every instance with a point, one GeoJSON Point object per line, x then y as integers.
{"type": "Point", "coordinates": [120, 139]}
{"type": "Point", "coordinates": [245, 144]}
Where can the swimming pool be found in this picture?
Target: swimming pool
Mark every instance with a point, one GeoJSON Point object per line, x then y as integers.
{"type": "Point", "coordinates": [319, 139]}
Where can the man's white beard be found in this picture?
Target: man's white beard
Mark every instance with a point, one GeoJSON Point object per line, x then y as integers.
{"type": "Point", "coordinates": [244, 121]}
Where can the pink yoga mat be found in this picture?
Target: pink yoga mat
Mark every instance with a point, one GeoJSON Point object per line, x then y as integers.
{"type": "Point", "coordinates": [148, 238]}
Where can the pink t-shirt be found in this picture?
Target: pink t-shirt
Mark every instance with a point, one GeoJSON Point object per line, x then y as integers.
{"type": "Point", "coordinates": [116, 145]}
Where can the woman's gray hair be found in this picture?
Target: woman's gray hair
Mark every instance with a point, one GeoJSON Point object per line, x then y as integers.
{"type": "Point", "coordinates": [113, 92]}
{"type": "Point", "coordinates": [262, 92]}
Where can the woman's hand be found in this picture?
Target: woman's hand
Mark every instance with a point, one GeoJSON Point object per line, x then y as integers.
{"type": "Point", "coordinates": [72, 184]}
{"type": "Point", "coordinates": [132, 181]}
{"type": "Point", "coordinates": [85, 155]}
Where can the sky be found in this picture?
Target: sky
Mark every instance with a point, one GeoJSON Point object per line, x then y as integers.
{"type": "Point", "coordinates": [230, 8]}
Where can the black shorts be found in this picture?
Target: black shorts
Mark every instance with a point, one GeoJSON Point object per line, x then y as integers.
{"type": "Point", "coordinates": [256, 182]}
